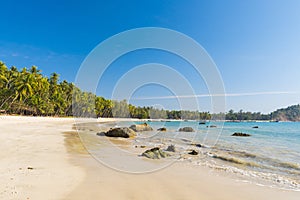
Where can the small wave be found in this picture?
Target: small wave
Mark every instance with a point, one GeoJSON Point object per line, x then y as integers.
{"type": "Point", "coordinates": [265, 162]}
{"type": "Point", "coordinates": [259, 178]}
{"type": "Point", "coordinates": [289, 165]}
{"type": "Point", "coordinates": [243, 154]}
{"type": "Point", "coordinates": [235, 160]}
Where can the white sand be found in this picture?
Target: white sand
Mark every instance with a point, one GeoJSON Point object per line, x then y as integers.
{"type": "Point", "coordinates": [37, 143]}
{"type": "Point", "coordinates": [63, 170]}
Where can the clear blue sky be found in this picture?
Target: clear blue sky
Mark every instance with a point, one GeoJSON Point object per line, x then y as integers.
{"type": "Point", "coordinates": [255, 44]}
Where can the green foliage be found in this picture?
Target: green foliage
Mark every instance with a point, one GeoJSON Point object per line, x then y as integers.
{"type": "Point", "coordinates": [28, 92]}
{"type": "Point", "coordinates": [241, 115]}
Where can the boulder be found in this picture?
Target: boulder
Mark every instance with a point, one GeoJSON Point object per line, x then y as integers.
{"type": "Point", "coordinates": [120, 132]}
{"type": "Point", "coordinates": [155, 153]}
{"type": "Point", "coordinates": [241, 134]}
{"type": "Point", "coordinates": [162, 129]}
{"type": "Point", "coordinates": [186, 129]}
{"type": "Point", "coordinates": [171, 148]}
{"type": "Point", "coordinates": [141, 127]}
{"type": "Point", "coordinates": [193, 152]}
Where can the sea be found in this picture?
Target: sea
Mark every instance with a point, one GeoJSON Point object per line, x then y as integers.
{"type": "Point", "coordinates": [270, 156]}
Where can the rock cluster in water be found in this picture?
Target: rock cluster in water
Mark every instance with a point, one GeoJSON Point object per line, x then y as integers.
{"type": "Point", "coordinates": [126, 132]}
{"type": "Point", "coordinates": [186, 129]}
{"type": "Point", "coordinates": [241, 134]}
{"type": "Point", "coordinates": [141, 127]}
{"type": "Point", "coordinates": [120, 132]}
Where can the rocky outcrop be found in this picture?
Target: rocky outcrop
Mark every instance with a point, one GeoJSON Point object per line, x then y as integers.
{"type": "Point", "coordinates": [120, 132]}
{"type": "Point", "coordinates": [241, 134]}
{"type": "Point", "coordinates": [162, 129]}
{"type": "Point", "coordinates": [141, 127]}
{"type": "Point", "coordinates": [155, 153]}
{"type": "Point", "coordinates": [186, 129]}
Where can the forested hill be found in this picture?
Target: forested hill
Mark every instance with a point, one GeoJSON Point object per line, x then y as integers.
{"type": "Point", "coordinates": [291, 113]}
{"type": "Point", "coordinates": [28, 92]}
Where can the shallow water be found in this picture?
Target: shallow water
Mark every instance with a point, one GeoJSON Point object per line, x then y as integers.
{"type": "Point", "coordinates": [270, 156]}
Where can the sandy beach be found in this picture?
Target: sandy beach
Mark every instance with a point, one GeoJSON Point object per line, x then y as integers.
{"type": "Point", "coordinates": [43, 158]}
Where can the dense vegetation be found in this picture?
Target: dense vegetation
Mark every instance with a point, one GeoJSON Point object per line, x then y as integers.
{"type": "Point", "coordinates": [291, 113]}
{"type": "Point", "coordinates": [28, 92]}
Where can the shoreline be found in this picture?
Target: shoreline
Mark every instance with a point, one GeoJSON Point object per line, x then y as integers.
{"type": "Point", "coordinates": [194, 182]}
{"type": "Point", "coordinates": [63, 169]}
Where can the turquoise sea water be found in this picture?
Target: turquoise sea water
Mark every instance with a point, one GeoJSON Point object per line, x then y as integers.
{"type": "Point", "coordinates": [270, 156]}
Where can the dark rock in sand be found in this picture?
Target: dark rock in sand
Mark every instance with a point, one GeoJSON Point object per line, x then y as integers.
{"type": "Point", "coordinates": [186, 129]}
{"type": "Point", "coordinates": [162, 129]}
{"type": "Point", "coordinates": [171, 148]}
{"type": "Point", "coordinates": [155, 153]}
{"type": "Point", "coordinates": [241, 134]}
{"type": "Point", "coordinates": [197, 145]}
{"type": "Point", "coordinates": [193, 152]}
{"type": "Point", "coordinates": [142, 146]}
{"type": "Point", "coordinates": [141, 127]}
{"type": "Point", "coordinates": [120, 132]}
{"type": "Point", "coordinates": [255, 127]}
{"type": "Point", "coordinates": [101, 134]}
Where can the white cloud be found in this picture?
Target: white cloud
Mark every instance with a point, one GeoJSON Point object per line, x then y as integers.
{"type": "Point", "coordinates": [217, 95]}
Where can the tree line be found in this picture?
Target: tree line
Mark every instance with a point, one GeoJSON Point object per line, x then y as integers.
{"type": "Point", "coordinates": [28, 92]}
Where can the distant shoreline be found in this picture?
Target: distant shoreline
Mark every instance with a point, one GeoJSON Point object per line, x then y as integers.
{"type": "Point", "coordinates": [145, 120]}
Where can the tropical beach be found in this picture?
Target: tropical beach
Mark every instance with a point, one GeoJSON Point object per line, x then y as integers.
{"type": "Point", "coordinates": [156, 99]}
{"type": "Point", "coordinates": [56, 165]}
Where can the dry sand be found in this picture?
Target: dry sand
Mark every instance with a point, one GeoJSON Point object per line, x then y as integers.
{"type": "Point", "coordinates": [43, 158]}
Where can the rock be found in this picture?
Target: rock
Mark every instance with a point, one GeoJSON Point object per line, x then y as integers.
{"type": "Point", "coordinates": [241, 134]}
{"type": "Point", "coordinates": [141, 127]}
{"type": "Point", "coordinates": [155, 153]}
{"type": "Point", "coordinates": [142, 146]}
{"type": "Point", "coordinates": [202, 123]}
{"type": "Point", "coordinates": [101, 134]}
{"type": "Point", "coordinates": [197, 145]}
{"type": "Point", "coordinates": [193, 152]}
{"type": "Point", "coordinates": [186, 129]}
{"type": "Point", "coordinates": [120, 132]}
{"type": "Point", "coordinates": [171, 148]}
{"type": "Point", "coordinates": [31, 168]}
{"type": "Point", "coordinates": [212, 126]}
{"type": "Point", "coordinates": [162, 129]}
{"type": "Point", "coordinates": [255, 127]}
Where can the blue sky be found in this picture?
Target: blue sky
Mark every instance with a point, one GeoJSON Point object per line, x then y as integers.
{"type": "Point", "coordinates": [255, 44]}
